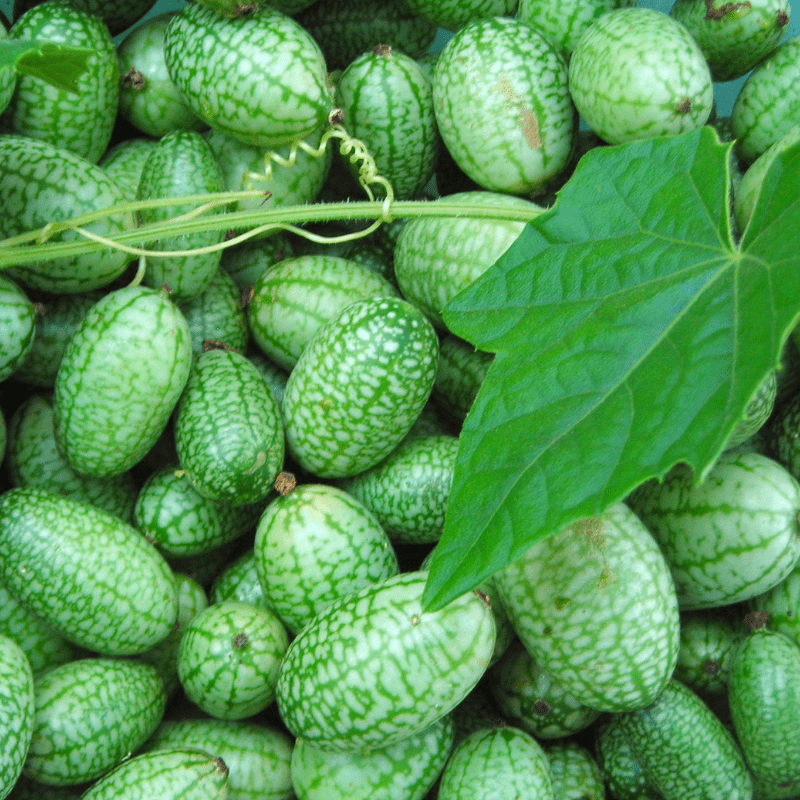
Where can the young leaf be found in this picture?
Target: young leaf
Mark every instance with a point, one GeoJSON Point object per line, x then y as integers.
{"type": "Point", "coordinates": [59, 64]}
{"type": "Point", "coordinates": [630, 333]}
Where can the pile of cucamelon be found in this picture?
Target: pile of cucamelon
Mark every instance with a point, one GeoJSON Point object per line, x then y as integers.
{"type": "Point", "coordinates": [230, 414]}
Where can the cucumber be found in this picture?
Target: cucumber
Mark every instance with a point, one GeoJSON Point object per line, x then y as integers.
{"type": "Point", "coordinates": [454, 14]}
{"type": "Point", "coordinates": [373, 668]}
{"type": "Point", "coordinates": [708, 642]}
{"type": "Point", "coordinates": [119, 380]}
{"type": "Point", "coordinates": [782, 604]}
{"type": "Point", "coordinates": [461, 371]}
{"type": "Point", "coordinates": [17, 318]}
{"type": "Point", "coordinates": [123, 163]}
{"type": "Point", "coordinates": [574, 771]}
{"type": "Point", "coordinates": [246, 261]}
{"type": "Point", "coordinates": [16, 712]}
{"type": "Point", "coordinates": [239, 581]}
{"type": "Point", "coordinates": [8, 77]}
{"type": "Point", "coordinates": [90, 715]}
{"type": "Point", "coordinates": [729, 538]}
{"type": "Point", "coordinates": [84, 572]}
{"type": "Point", "coordinates": [359, 386]}
{"type": "Point", "coordinates": [621, 772]}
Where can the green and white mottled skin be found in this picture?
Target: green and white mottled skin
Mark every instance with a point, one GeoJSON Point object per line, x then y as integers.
{"type": "Point", "coordinates": [90, 715]}
{"type": "Point", "coordinates": [85, 573]}
{"type": "Point", "coordinates": [44, 646]}
{"type": "Point", "coordinates": [346, 30]}
{"type": "Point", "coordinates": [83, 121]}
{"type": "Point", "coordinates": [117, 14]}
{"type": "Point", "coordinates": [34, 460]}
{"type": "Point", "coordinates": [756, 413]}
{"type": "Point", "coordinates": [497, 764]}
{"type": "Point", "coordinates": [179, 774]}
{"type": "Point", "coordinates": [621, 772]}
{"type": "Point", "coordinates": [250, 167]}
{"type": "Point", "coordinates": [574, 772]}
{"type": "Point", "coordinates": [240, 581]}
{"type": "Point", "coordinates": [729, 538]}
{"type": "Point", "coordinates": [708, 642]}
{"type": "Point", "coordinates": [123, 163]}
{"type": "Point", "coordinates": [565, 22]}
{"type": "Point", "coordinates": [636, 73]}
{"type": "Point", "coordinates": [768, 104]}
{"type": "Point", "coordinates": [454, 14]}
{"type": "Point", "coordinates": [120, 379]}
{"type": "Point", "coordinates": [734, 37]}
{"type": "Point", "coordinates": [373, 668]}
{"type": "Point", "coordinates": [8, 78]}
{"type": "Point", "coordinates": [782, 435]}
{"type": "Point", "coordinates": [782, 603]}
{"type": "Point", "coordinates": [180, 521]}
{"type": "Point", "coordinates": [41, 183]}
{"type": "Point", "coordinates": [246, 261]}
{"type": "Point", "coordinates": [181, 164]}
{"type": "Point", "coordinates": [388, 105]}
{"type": "Point", "coordinates": [279, 93]}
{"type": "Point", "coordinates": [532, 700]}
{"type": "Point", "coordinates": [358, 386]}
{"type": "Point", "coordinates": [229, 658]}
{"type": "Point", "coordinates": [148, 98]}
{"type": "Point", "coordinates": [437, 257]}
{"type": "Point", "coordinates": [258, 757]}
{"type": "Point", "coordinates": [579, 601]}
{"type": "Point", "coordinates": [316, 545]}
{"type": "Point", "coordinates": [764, 695]}
{"type": "Point", "coordinates": [16, 712]}
{"type": "Point", "coordinates": [292, 300]}
{"type": "Point", "coordinates": [461, 371]}
{"type": "Point", "coordinates": [57, 318]}
{"type": "Point", "coordinates": [228, 429]}
{"type": "Point", "coordinates": [684, 750]}
{"type": "Point", "coordinates": [408, 491]}
{"type": "Point", "coordinates": [217, 315]}
{"type": "Point", "coordinates": [18, 323]}
{"type": "Point", "coordinates": [403, 770]}
{"type": "Point", "coordinates": [500, 93]}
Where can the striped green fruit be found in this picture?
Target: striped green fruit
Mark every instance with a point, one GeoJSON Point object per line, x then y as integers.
{"type": "Point", "coordinates": [402, 770]}
{"type": "Point", "coordinates": [123, 163]}
{"type": "Point", "coordinates": [16, 712]}
{"type": "Point", "coordinates": [782, 438]}
{"type": "Point", "coordinates": [34, 460]}
{"type": "Point", "coordinates": [148, 98]}
{"type": "Point", "coordinates": [41, 183]}
{"type": "Point", "coordinates": [454, 14]}
{"type": "Point", "coordinates": [180, 164]}
{"type": "Point", "coordinates": [82, 120]}
{"type": "Point", "coordinates": [259, 77]}
{"type": "Point", "coordinates": [179, 774]}
{"type": "Point", "coordinates": [18, 322]}
{"type": "Point", "coordinates": [229, 657]}
{"type": "Point", "coordinates": [359, 385]}
{"type": "Point", "coordinates": [374, 667]}
{"type": "Point", "coordinates": [388, 105]}
{"type": "Point", "coordinates": [240, 581]}
{"type": "Point", "coordinates": [314, 546]}
{"type": "Point", "coordinates": [258, 757]}
{"type": "Point", "coordinates": [621, 772]}
{"type": "Point", "coordinates": [768, 104]}
{"type": "Point", "coordinates": [437, 257]}
{"type": "Point", "coordinates": [503, 106]}
{"type": "Point", "coordinates": [756, 413]}
{"type": "Point", "coordinates": [117, 14]}
{"type": "Point", "coordinates": [575, 773]}
{"type": "Point", "coordinates": [579, 601]}
{"type": "Point", "coordinates": [86, 573]}
{"type": "Point", "coordinates": [90, 715]}
{"type": "Point", "coordinates": [764, 695]}
{"type": "Point", "coordinates": [708, 642]}
{"type": "Point", "coordinates": [461, 371]}
{"type": "Point", "coordinates": [782, 604]}
{"type": "Point", "coordinates": [228, 430]}
{"type": "Point", "coordinates": [729, 538]}
{"type": "Point", "coordinates": [408, 491]}
{"type": "Point", "coordinates": [119, 380]}
{"type": "Point", "coordinates": [246, 261]}
{"type": "Point", "coordinates": [497, 763]}
{"type": "Point", "coordinates": [637, 73]}
{"type": "Point", "coordinates": [684, 750]}
{"type": "Point", "coordinates": [8, 78]}
{"type": "Point", "coordinates": [292, 300]}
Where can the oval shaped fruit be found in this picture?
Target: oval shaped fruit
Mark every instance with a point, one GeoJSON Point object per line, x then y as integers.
{"type": "Point", "coordinates": [575, 773]}
{"type": "Point", "coordinates": [228, 429]}
{"type": "Point", "coordinates": [85, 572]}
{"type": "Point", "coordinates": [91, 714]}
{"type": "Point", "coordinates": [280, 92]}
{"type": "Point", "coordinates": [17, 320]}
{"type": "Point", "coordinates": [637, 73]}
{"type": "Point", "coordinates": [782, 606]}
{"type": "Point", "coordinates": [374, 667]}
{"type": "Point", "coordinates": [119, 380]}
{"type": "Point", "coordinates": [708, 642]}
{"type": "Point", "coordinates": [579, 600]}
{"type": "Point", "coordinates": [359, 385]}
{"type": "Point", "coordinates": [621, 771]}
{"type": "Point", "coordinates": [123, 163]}
{"type": "Point", "coordinates": [503, 106]}
{"type": "Point", "coordinates": [16, 712]}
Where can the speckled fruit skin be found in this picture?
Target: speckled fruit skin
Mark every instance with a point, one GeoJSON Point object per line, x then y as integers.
{"type": "Point", "coordinates": [502, 104]}
{"type": "Point", "coordinates": [280, 91]}
{"type": "Point", "coordinates": [16, 712]}
{"type": "Point", "coordinates": [17, 320]}
{"type": "Point", "coordinates": [637, 73]}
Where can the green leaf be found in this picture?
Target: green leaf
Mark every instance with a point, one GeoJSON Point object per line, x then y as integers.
{"type": "Point", "coordinates": [630, 333]}
{"type": "Point", "coordinates": [59, 64]}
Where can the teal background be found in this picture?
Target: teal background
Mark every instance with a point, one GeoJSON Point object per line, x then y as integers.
{"type": "Point", "coordinates": [724, 93]}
